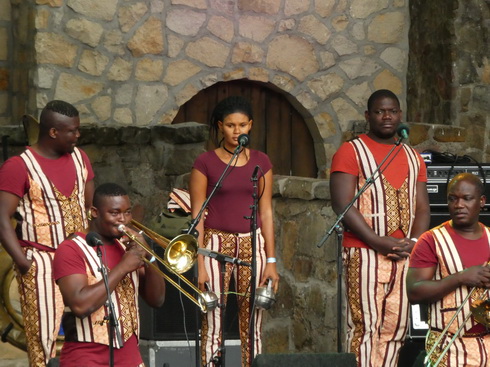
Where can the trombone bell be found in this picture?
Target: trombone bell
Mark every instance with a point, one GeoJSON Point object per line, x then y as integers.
{"type": "Point", "coordinates": [480, 310]}
{"type": "Point", "coordinates": [181, 253]}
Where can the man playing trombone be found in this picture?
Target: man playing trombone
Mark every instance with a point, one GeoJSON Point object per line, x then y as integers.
{"type": "Point", "coordinates": [89, 341]}
{"type": "Point", "coordinates": [449, 271]}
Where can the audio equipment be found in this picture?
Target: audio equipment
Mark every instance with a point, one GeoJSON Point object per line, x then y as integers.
{"type": "Point", "coordinates": [438, 177]}
{"type": "Point", "coordinates": [305, 359]}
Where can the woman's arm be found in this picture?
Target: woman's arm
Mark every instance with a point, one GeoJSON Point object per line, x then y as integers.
{"type": "Point", "coordinates": [267, 219]}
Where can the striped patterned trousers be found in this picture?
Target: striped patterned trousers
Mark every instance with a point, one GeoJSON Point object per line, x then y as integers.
{"type": "Point", "coordinates": [377, 307]}
{"type": "Point", "coordinates": [42, 307]}
{"type": "Point", "coordinates": [465, 351]}
{"type": "Point", "coordinates": [237, 245]}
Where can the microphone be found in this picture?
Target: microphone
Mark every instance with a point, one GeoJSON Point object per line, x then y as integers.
{"type": "Point", "coordinates": [243, 140]}
{"type": "Point", "coordinates": [93, 239]}
{"type": "Point", "coordinates": [403, 131]}
{"type": "Point", "coordinates": [256, 170]}
{"type": "Point", "coordinates": [221, 257]}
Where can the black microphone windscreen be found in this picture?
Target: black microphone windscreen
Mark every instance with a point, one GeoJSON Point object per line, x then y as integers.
{"type": "Point", "coordinates": [243, 140]}
{"type": "Point", "coordinates": [403, 131]}
{"type": "Point", "coordinates": [93, 239]}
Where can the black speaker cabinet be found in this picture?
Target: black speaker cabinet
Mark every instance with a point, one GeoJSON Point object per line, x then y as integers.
{"type": "Point", "coordinates": [305, 359]}
{"type": "Point", "coordinates": [179, 318]}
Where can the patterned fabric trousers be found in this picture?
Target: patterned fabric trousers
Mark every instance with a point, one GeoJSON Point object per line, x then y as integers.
{"type": "Point", "coordinates": [465, 352]}
{"type": "Point", "coordinates": [42, 307]}
{"type": "Point", "coordinates": [240, 246]}
{"type": "Point", "coordinates": [377, 307]}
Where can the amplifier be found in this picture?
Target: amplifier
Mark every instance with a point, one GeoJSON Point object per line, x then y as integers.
{"type": "Point", "coordinates": [438, 176]}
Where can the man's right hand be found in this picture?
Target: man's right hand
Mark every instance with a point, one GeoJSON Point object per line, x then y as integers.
{"type": "Point", "coordinates": [390, 247]}
{"type": "Point", "coordinates": [24, 267]}
{"type": "Point", "coordinates": [476, 276]}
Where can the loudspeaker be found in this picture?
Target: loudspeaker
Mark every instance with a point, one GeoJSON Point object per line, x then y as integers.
{"type": "Point", "coordinates": [410, 353]}
{"type": "Point", "coordinates": [179, 317]}
{"type": "Point", "coordinates": [305, 359]}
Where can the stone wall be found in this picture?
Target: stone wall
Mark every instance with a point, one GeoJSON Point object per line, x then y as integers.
{"type": "Point", "coordinates": [449, 72]}
{"type": "Point", "coordinates": [135, 63]}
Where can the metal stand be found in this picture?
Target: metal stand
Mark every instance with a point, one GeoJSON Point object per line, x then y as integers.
{"type": "Point", "coordinates": [253, 276]}
{"type": "Point", "coordinates": [113, 325]}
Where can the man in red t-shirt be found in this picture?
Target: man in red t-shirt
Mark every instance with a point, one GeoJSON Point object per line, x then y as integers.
{"type": "Point", "coordinates": [381, 229]}
{"type": "Point", "coordinates": [48, 189]}
{"type": "Point", "coordinates": [446, 263]}
{"type": "Point", "coordinates": [77, 271]}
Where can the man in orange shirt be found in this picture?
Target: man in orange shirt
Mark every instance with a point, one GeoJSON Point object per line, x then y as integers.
{"type": "Point", "coordinates": [381, 229]}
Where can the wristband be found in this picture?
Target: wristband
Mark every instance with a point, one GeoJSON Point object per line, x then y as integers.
{"type": "Point", "coordinates": [271, 260]}
{"type": "Point", "coordinates": [414, 239]}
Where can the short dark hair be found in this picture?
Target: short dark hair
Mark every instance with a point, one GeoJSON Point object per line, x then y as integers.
{"type": "Point", "coordinates": [381, 93]}
{"type": "Point", "coordinates": [469, 177]}
{"type": "Point", "coordinates": [229, 105]}
{"type": "Point", "coordinates": [107, 189]}
{"type": "Point", "coordinates": [58, 106]}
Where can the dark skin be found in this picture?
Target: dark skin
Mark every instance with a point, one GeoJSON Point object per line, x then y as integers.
{"type": "Point", "coordinates": [383, 118]}
{"type": "Point", "coordinates": [84, 299]}
{"type": "Point", "coordinates": [57, 136]}
{"type": "Point", "coordinates": [465, 201]}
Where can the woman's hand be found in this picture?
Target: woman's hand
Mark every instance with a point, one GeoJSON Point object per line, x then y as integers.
{"type": "Point", "coordinates": [270, 272]}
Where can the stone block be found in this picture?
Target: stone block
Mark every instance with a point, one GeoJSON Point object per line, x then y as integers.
{"type": "Point", "coordinates": [449, 134]}
{"type": "Point", "coordinates": [209, 51]}
{"type": "Point", "coordinates": [148, 39]}
{"type": "Point", "coordinates": [257, 28]}
{"type": "Point", "coordinates": [293, 55]}
{"type": "Point", "coordinates": [185, 21]}
{"type": "Point", "coordinates": [96, 9]}
{"type": "Point", "coordinates": [73, 88]}
{"type": "Point", "coordinates": [54, 49]}
{"type": "Point", "coordinates": [4, 49]}
{"type": "Point", "coordinates": [312, 26]}
{"type": "Point", "coordinates": [184, 133]}
{"type": "Point", "coordinates": [419, 133]}
{"type": "Point", "coordinates": [260, 6]}
{"type": "Point", "coordinates": [221, 27]}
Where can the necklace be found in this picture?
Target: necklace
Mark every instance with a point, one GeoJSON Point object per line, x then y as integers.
{"type": "Point", "coordinates": [231, 151]}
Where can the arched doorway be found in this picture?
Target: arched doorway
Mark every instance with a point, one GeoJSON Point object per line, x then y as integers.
{"type": "Point", "coordinates": [279, 130]}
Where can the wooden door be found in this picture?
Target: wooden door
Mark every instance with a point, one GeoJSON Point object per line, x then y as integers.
{"type": "Point", "coordinates": [279, 130]}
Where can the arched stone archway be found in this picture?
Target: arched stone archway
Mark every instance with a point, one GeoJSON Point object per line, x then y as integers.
{"type": "Point", "coordinates": [280, 129]}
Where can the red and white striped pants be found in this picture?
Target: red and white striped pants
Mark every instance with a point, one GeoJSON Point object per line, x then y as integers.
{"type": "Point", "coordinates": [42, 307]}
{"type": "Point", "coordinates": [237, 245]}
{"type": "Point", "coordinates": [377, 307]}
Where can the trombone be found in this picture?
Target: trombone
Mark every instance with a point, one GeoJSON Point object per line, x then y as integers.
{"type": "Point", "coordinates": [481, 313]}
{"type": "Point", "coordinates": [180, 254]}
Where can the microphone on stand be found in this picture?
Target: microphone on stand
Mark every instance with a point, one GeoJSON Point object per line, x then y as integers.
{"type": "Point", "coordinates": [254, 174]}
{"type": "Point", "coordinates": [243, 140]}
{"type": "Point", "coordinates": [93, 239]}
{"type": "Point", "coordinates": [403, 131]}
{"type": "Point", "coordinates": [221, 257]}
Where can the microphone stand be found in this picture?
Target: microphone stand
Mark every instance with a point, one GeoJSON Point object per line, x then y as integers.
{"type": "Point", "coordinates": [339, 229]}
{"type": "Point", "coordinates": [218, 360]}
{"type": "Point", "coordinates": [113, 325]}
{"type": "Point", "coordinates": [253, 276]}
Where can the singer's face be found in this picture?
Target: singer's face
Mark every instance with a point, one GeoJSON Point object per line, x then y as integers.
{"type": "Point", "coordinates": [383, 118]}
{"type": "Point", "coordinates": [111, 213]}
{"type": "Point", "coordinates": [232, 126]}
{"type": "Point", "coordinates": [464, 202]}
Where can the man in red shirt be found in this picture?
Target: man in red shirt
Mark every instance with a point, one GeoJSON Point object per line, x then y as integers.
{"type": "Point", "coordinates": [48, 188]}
{"type": "Point", "coordinates": [381, 229]}
{"type": "Point", "coordinates": [446, 263]}
{"type": "Point", "coordinates": [77, 272]}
